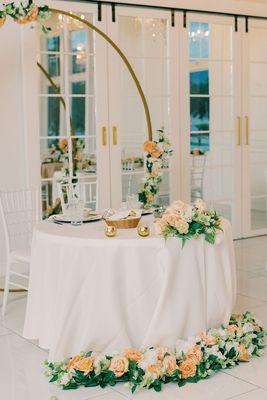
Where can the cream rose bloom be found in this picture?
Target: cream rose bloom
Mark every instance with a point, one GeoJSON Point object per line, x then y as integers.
{"type": "Point", "coordinates": [119, 365]}
{"type": "Point", "coordinates": [182, 226]}
{"type": "Point", "coordinates": [160, 225]}
{"type": "Point", "coordinates": [169, 364]}
{"type": "Point", "coordinates": [195, 354]}
{"type": "Point", "coordinates": [133, 355]}
{"type": "Point", "coordinates": [161, 351]}
{"type": "Point", "coordinates": [171, 219]}
{"type": "Point", "coordinates": [154, 369]}
{"type": "Point", "coordinates": [200, 205]}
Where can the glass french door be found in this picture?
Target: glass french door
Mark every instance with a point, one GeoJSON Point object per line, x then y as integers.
{"type": "Point", "coordinates": [254, 140]}
{"type": "Point", "coordinates": [73, 103]}
{"type": "Point", "coordinates": [211, 149]}
{"type": "Point", "coordinates": [147, 39]}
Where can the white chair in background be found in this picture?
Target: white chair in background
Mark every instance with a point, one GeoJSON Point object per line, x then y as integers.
{"type": "Point", "coordinates": [19, 211]}
{"type": "Point", "coordinates": [198, 163]}
{"type": "Point", "coordinates": [79, 188]}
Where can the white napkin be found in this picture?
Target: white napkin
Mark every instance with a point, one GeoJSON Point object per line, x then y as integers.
{"type": "Point", "coordinates": [123, 214]}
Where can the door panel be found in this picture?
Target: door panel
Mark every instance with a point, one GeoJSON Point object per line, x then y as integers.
{"type": "Point", "coordinates": [214, 86]}
{"type": "Point", "coordinates": [145, 38]}
{"type": "Point", "coordinates": [255, 129]}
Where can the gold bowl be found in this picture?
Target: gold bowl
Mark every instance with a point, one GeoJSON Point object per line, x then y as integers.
{"type": "Point", "coordinates": [123, 223]}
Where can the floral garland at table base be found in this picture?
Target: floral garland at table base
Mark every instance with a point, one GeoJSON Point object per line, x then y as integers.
{"type": "Point", "coordinates": [190, 361]}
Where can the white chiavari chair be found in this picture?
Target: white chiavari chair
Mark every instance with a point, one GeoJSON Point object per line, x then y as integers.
{"type": "Point", "coordinates": [19, 211]}
{"type": "Point", "coordinates": [79, 188]}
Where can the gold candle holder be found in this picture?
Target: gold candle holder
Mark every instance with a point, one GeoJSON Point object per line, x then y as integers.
{"type": "Point", "coordinates": [110, 231]}
{"type": "Point", "coordinates": [143, 231]}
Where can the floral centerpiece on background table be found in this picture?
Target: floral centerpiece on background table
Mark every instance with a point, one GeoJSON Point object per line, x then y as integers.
{"type": "Point", "coordinates": [188, 221]}
{"type": "Point", "coordinates": [157, 154]}
{"type": "Point", "coordinates": [188, 362]}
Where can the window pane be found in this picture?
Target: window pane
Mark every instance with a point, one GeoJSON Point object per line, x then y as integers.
{"type": "Point", "coordinates": [78, 41]}
{"type": "Point", "coordinates": [199, 114]}
{"type": "Point", "coordinates": [52, 117]}
{"type": "Point", "coordinates": [78, 115]}
{"type": "Point", "coordinates": [199, 82]}
{"type": "Point", "coordinates": [78, 64]}
{"type": "Point", "coordinates": [53, 43]}
{"type": "Point", "coordinates": [199, 40]}
{"type": "Point", "coordinates": [53, 65]}
{"type": "Point", "coordinates": [78, 87]}
{"type": "Point", "coordinates": [200, 141]}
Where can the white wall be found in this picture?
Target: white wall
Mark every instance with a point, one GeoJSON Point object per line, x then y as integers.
{"type": "Point", "coordinates": [12, 162]}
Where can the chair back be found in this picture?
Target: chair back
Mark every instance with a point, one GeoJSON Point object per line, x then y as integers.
{"type": "Point", "coordinates": [198, 163]}
{"type": "Point", "coordinates": [78, 188]}
{"type": "Point", "coordinates": [19, 211]}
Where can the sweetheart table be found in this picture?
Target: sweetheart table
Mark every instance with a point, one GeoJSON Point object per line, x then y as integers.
{"type": "Point", "coordinates": [90, 292]}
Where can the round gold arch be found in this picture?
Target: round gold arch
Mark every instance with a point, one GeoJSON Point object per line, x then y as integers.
{"type": "Point", "coordinates": [122, 56]}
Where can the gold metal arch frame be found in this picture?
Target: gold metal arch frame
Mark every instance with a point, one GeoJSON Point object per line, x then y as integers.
{"type": "Point", "coordinates": [126, 62]}
{"type": "Point", "coordinates": [122, 56]}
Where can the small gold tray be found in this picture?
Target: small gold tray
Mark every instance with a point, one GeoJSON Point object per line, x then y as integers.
{"type": "Point", "coordinates": [124, 223]}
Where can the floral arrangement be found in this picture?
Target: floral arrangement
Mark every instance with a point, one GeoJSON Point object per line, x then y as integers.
{"type": "Point", "coordinates": [190, 361]}
{"type": "Point", "coordinates": [55, 209]}
{"type": "Point", "coordinates": [77, 154]}
{"type": "Point", "coordinates": [188, 221]}
{"type": "Point", "coordinates": [157, 154]}
{"type": "Point", "coordinates": [198, 152]}
{"type": "Point", "coordinates": [23, 12]}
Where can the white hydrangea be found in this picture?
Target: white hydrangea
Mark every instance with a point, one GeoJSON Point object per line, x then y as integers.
{"type": "Point", "coordinates": [248, 327]}
{"type": "Point", "coordinates": [232, 344]}
{"type": "Point", "coordinates": [150, 357]}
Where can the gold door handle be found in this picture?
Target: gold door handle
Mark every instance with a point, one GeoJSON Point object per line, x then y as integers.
{"type": "Point", "coordinates": [247, 130]}
{"type": "Point", "coordinates": [115, 135]}
{"type": "Point", "coordinates": [238, 131]}
{"type": "Point", "coordinates": [104, 136]}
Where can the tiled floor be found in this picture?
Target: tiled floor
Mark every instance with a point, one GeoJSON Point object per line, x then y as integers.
{"type": "Point", "coordinates": [21, 375]}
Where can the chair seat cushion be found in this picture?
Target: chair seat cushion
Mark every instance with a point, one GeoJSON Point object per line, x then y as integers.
{"type": "Point", "coordinates": [22, 255]}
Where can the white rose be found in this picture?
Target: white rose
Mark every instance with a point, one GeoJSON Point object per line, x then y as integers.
{"type": "Point", "coordinates": [65, 379]}
{"type": "Point", "coordinates": [200, 204]}
{"type": "Point", "coordinates": [183, 346]}
{"type": "Point", "coordinates": [230, 345]}
{"type": "Point", "coordinates": [248, 327]}
{"type": "Point", "coordinates": [150, 357]}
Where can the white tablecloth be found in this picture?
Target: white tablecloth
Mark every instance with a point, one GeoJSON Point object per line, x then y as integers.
{"type": "Point", "coordinates": [89, 292]}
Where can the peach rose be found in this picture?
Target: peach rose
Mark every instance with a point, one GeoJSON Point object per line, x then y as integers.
{"type": "Point", "coordinates": [63, 144]}
{"type": "Point", "coordinates": [156, 153]}
{"type": "Point", "coordinates": [196, 152]}
{"type": "Point", "coordinates": [149, 197]}
{"type": "Point", "coordinates": [2, 21]}
{"type": "Point", "coordinates": [160, 226]}
{"type": "Point", "coordinates": [243, 353]}
{"type": "Point", "coordinates": [154, 369]}
{"type": "Point", "coordinates": [119, 365]}
{"type": "Point", "coordinates": [182, 226]}
{"type": "Point", "coordinates": [85, 365]}
{"type": "Point", "coordinates": [195, 354]}
{"type": "Point", "coordinates": [149, 146]}
{"type": "Point", "coordinates": [208, 339]}
{"type": "Point", "coordinates": [58, 200]}
{"type": "Point", "coordinates": [169, 363]}
{"type": "Point", "coordinates": [161, 351]}
{"type": "Point", "coordinates": [188, 368]}
{"type": "Point", "coordinates": [133, 355]}
{"type": "Point", "coordinates": [49, 209]}
{"type": "Point", "coordinates": [79, 155]}
{"type": "Point", "coordinates": [73, 361]}
{"type": "Point", "coordinates": [233, 328]}
{"type": "Point", "coordinates": [172, 219]}
{"type": "Point", "coordinates": [33, 13]}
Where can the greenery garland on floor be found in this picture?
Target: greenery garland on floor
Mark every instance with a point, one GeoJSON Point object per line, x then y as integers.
{"type": "Point", "coordinates": [190, 361]}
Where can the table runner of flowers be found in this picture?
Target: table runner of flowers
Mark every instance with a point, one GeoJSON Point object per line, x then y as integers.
{"type": "Point", "coordinates": [189, 361]}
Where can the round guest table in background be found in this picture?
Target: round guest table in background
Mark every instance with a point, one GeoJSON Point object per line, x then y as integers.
{"type": "Point", "coordinates": [89, 292]}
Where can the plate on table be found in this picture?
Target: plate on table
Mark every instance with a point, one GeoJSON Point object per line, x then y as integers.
{"type": "Point", "coordinates": [89, 218]}
{"type": "Point", "coordinates": [148, 211]}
